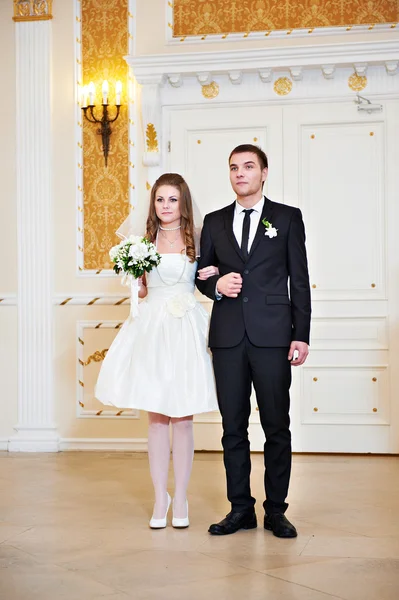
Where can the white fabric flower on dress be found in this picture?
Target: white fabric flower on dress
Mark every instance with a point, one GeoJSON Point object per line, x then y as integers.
{"type": "Point", "coordinates": [177, 306]}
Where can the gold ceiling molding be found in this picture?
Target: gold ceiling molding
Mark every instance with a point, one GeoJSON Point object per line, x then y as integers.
{"type": "Point", "coordinates": [33, 10]}
{"type": "Point", "coordinates": [282, 86]}
{"type": "Point", "coordinates": [105, 190]}
{"type": "Point", "coordinates": [357, 83]}
{"type": "Point", "coordinates": [208, 17]}
{"type": "Point", "coordinates": [211, 90]}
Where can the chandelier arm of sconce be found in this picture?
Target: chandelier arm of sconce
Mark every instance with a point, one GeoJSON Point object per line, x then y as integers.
{"type": "Point", "coordinates": [105, 129]}
{"type": "Point", "coordinates": [93, 118]}
{"type": "Point", "coordinates": [118, 108]}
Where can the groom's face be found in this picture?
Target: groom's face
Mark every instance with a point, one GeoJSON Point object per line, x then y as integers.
{"type": "Point", "coordinates": [246, 174]}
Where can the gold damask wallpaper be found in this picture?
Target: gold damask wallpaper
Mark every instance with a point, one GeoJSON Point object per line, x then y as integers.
{"type": "Point", "coordinates": [106, 190]}
{"type": "Point", "coordinates": [204, 17]}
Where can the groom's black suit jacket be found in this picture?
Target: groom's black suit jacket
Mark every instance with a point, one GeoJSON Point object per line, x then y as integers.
{"type": "Point", "coordinates": [263, 310]}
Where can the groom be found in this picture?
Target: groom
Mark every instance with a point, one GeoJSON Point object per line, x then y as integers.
{"type": "Point", "coordinates": [257, 332]}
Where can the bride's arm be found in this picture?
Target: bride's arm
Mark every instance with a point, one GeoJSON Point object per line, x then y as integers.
{"type": "Point", "coordinates": [206, 272]}
{"type": "Point", "coordinates": [142, 286]}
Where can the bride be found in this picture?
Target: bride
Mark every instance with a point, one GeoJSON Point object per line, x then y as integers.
{"type": "Point", "coordinates": [159, 361]}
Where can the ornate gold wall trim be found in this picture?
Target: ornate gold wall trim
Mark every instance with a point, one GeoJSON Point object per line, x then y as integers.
{"type": "Point", "coordinates": [193, 18]}
{"type": "Point", "coordinates": [151, 138]}
{"type": "Point", "coordinates": [33, 10]}
{"type": "Point", "coordinates": [102, 40]}
{"type": "Point", "coordinates": [85, 407]}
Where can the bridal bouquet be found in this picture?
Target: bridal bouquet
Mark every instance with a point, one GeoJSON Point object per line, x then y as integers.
{"type": "Point", "coordinates": [133, 257]}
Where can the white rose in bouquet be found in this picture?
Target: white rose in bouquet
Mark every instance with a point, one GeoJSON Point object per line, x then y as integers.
{"type": "Point", "coordinates": [133, 257]}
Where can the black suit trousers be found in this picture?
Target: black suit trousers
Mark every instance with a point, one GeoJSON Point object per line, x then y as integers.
{"type": "Point", "coordinates": [269, 370]}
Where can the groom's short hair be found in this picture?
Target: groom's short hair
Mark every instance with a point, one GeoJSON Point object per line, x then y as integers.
{"type": "Point", "coordinates": [255, 150]}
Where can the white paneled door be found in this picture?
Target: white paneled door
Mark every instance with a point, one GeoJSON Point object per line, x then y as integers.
{"type": "Point", "coordinates": [339, 168]}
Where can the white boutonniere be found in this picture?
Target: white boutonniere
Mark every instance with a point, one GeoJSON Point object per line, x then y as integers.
{"type": "Point", "coordinates": [271, 231]}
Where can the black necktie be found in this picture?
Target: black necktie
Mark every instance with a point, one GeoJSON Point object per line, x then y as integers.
{"type": "Point", "coordinates": [245, 231]}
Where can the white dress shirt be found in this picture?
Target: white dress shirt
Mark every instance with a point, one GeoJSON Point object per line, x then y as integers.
{"type": "Point", "coordinates": [238, 221]}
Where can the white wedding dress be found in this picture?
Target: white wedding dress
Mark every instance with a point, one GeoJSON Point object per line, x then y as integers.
{"type": "Point", "coordinates": [159, 361]}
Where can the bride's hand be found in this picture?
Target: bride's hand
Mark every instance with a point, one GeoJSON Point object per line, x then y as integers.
{"type": "Point", "coordinates": [207, 272]}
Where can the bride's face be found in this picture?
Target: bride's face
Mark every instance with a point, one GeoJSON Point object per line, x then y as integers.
{"type": "Point", "coordinates": [167, 205]}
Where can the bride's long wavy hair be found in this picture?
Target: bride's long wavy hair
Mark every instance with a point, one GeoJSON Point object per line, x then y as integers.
{"type": "Point", "coordinates": [186, 211]}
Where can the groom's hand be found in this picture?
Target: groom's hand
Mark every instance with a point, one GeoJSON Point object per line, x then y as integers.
{"type": "Point", "coordinates": [230, 285]}
{"type": "Point", "coordinates": [302, 349]}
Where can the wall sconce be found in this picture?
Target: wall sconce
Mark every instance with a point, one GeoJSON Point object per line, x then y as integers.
{"type": "Point", "coordinates": [104, 130]}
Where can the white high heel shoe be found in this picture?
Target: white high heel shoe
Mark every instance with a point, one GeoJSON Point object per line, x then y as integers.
{"type": "Point", "coordinates": [161, 523]}
{"type": "Point", "coordinates": [180, 523]}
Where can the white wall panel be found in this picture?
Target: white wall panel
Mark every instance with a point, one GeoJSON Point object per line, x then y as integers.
{"type": "Point", "coordinates": [345, 395]}
{"type": "Point", "coordinates": [349, 333]}
{"type": "Point", "coordinates": [342, 194]}
{"type": "Point", "coordinates": [203, 139]}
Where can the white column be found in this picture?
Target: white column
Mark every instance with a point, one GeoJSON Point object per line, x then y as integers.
{"type": "Point", "coordinates": [35, 430]}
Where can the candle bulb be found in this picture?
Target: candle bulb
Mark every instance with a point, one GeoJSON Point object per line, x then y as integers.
{"type": "Point", "coordinates": [84, 96]}
{"type": "Point", "coordinates": [118, 92]}
{"type": "Point", "coordinates": [105, 90]}
{"type": "Point", "coordinates": [92, 93]}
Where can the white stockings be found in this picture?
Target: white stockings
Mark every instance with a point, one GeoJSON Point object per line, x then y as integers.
{"type": "Point", "coordinates": [183, 453]}
{"type": "Point", "coordinates": [159, 454]}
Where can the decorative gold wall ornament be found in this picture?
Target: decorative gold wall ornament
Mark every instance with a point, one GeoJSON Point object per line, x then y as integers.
{"type": "Point", "coordinates": [33, 10]}
{"type": "Point", "coordinates": [357, 82]}
{"type": "Point", "coordinates": [151, 138]}
{"type": "Point", "coordinates": [282, 86]}
{"type": "Point", "coordinates": [211, 90]}
{"type": "Point", "coordinates": [97, 356]}
{"type": "Point", "coordinates": [121, 301]}
{"type": "Point", "coordinates": [211, 17]}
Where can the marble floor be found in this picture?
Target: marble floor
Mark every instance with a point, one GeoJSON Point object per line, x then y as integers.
{"type": "Point", "coordinates": [74, 526]}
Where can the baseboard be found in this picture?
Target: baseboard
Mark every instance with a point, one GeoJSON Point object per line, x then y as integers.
{"type": "Point", "coordinates": [89, 444]}
{"type": "Point", "coordinates": [105, 444]}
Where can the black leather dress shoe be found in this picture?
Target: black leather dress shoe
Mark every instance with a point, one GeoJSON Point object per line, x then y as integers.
{"type": "Point", "coordinates": [280, 525]}
{"type": "Point", "coordinates": [233, 522]}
